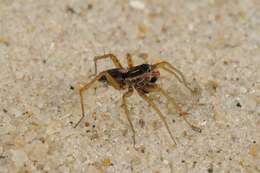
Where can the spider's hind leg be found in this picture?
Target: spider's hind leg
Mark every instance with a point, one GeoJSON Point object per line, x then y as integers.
{"type": "Point", "coordinates": [153, 105]}
{"type": "Point", "coordinates": [156, 88]}
{"type": "Point", "coordinates": [125, 96]}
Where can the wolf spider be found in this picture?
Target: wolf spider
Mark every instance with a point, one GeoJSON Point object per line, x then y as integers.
{"type": "Point", "coordinates": [141, 78]}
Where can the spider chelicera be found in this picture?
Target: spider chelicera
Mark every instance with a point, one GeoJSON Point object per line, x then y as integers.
{"type": "Point", "coordinates": [141, 78]}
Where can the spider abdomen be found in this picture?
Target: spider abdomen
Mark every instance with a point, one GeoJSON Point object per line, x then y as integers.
{"type": "Point", "coordinates": [117, 74]}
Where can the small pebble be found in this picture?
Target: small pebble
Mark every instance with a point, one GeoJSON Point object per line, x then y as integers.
{"type": "Point", "coordinates": [106, 162]}
{"type": "Point", "coordinates": [166, 162]}
{"type": "Point", "coordinates": [99, 104]}
{"type": "Point", "coordinates": [17, 113]}
{"type": "Point", "coordinates": [19, 157]}
{"type": "Point", "coordinates": [243, 90]}
{"type": "Point", "coordinates": [210, 170]}
{"type": "Point", "coordinates": [239, 105]}
{"type": "Point", "coordinates": [90, 6]}
{"type": "Point", "coordinates": [70, 10]}
{"type": "Point", "coordinates": [38, 150]}
{"type": "Point", "coordinates": [253, 150]}
{"type": "Point", "coordinates": [139, 5]}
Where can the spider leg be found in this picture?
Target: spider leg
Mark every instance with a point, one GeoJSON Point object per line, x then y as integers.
{"type": "Point", "coordinates": [129, 60]}
{"type": "Point", "coordinates": [153, 105]}
{"type": "Point", "coordinates": [156, 88]}
{"type": "Point", "coordinates": [125, 96]}
{"type": "Point", "coordinates": [109, 55]}
{"type": "Point", "coordinates": [171, 69]}
{"type": "Point", "coordinates": [110, 79]}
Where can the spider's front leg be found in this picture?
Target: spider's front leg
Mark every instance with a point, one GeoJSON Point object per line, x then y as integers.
{"type": "Point", "coordinates": [85, 87]}
{"type": "Point", "coordinates": [177, 73]}
{"type": "Point", "coordinates": [153, 105]}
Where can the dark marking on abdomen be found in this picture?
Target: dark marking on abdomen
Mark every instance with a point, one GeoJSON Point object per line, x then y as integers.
{"type": "Point", "coordinates": [138, 70]}
{"type": "Point", "coordinates": [116, 73]}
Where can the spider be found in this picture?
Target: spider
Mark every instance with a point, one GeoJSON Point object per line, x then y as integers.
{"type": "Point", "coordinates": [141, 78]}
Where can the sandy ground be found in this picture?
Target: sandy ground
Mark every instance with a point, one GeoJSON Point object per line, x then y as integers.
{"type": "Point", "coordinates": [47, 49]}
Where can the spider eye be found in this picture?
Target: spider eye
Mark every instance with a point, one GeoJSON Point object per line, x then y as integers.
{"type": "Point", "coordinates": [153, 80]}
{"type": "Point", "coordinates": [146, 67]}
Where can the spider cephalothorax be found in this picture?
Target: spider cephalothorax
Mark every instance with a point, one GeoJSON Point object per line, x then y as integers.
{"type": "Point", "coordinates": [141, 78]}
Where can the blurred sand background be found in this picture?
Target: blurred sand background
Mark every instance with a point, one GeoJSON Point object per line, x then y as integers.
{"type": "Point", "coordinates": [47, 48]}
